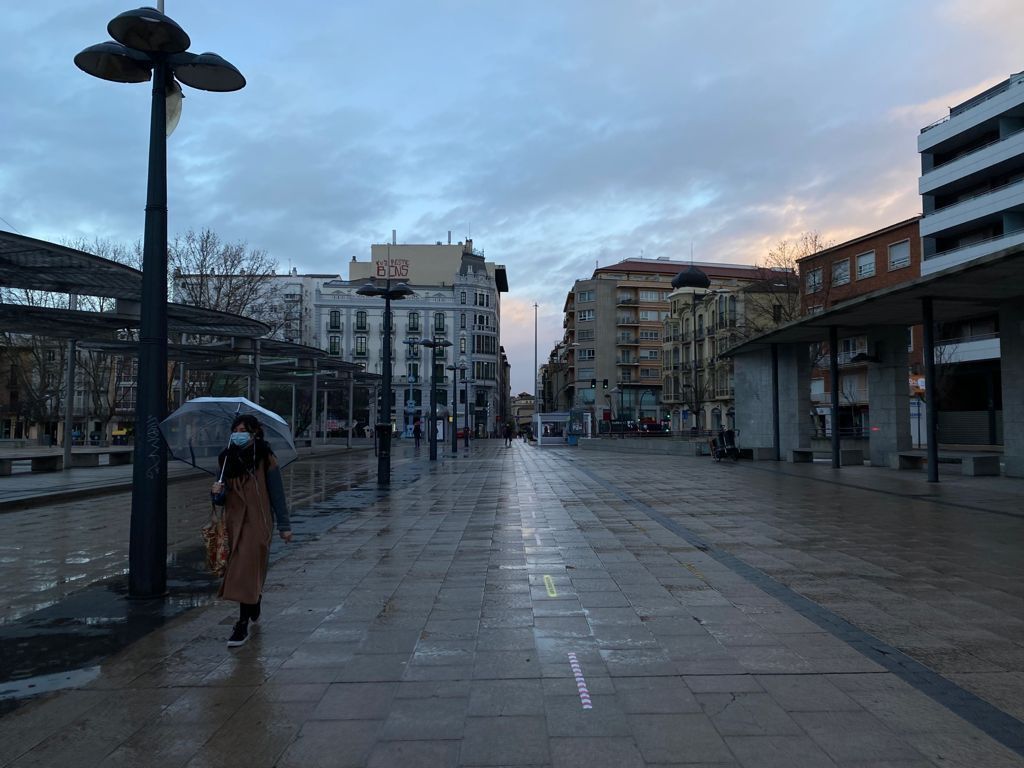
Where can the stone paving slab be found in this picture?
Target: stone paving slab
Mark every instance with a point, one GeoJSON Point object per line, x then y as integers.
{"type": "Point", "coordinates": [433, 626]}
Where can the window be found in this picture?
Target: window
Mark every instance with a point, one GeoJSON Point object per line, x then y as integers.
{"type": "Point", "coordinates": [865, 265]}
{"type": "Point", "coordinates": [584, 315]}
{"type": "Point", "coordinates": [462, 345]}
{"type": "Point", "coordinates": [650, 373]}
{"type": "Point", "coordinates": [334, 345]}
{"type": "Point", "coordinates": [360, 346]}
{"type": "Point", "coordinates": [587, 334]}
{"type": "Point", "coordinates": [414, 321]}
{"type": "Point", "coordinates": [586, 374]}
{"type": "Point", "coordinates": [462, 298]}
{"type": "Point", "coordinates": [361, 320]}
{"type": "Point", "coordinates": [335, 320]}
{"type": "Point", "coordinates": [649, 334]}
{"type": "Point", "coordinates": [585, 354]}
{"type": "Point", "coordinates": [650, 354]}
{"type": "Point", "coordinates": [439, 321]}
{"type": "Point", "coordinates": [841, 272]}
{"type": "Point", "coordinates": [910, 338]}
{"type": "Point", "coordinates": [732, 311]}
{"type": "Point", "coordinates": [899, 255]}
{"type": "Point", "coordinates": [650, 295]}
{"type": "Point", "coordinates": [815, 309]}
{"type": "Point", "coordinates": [413, 372]}
{"type": "Point", "coordinates": [462, 320]}
{"type": "Point", "coordinates": [583, 296]}
{"type": "Point", "coordinates": [649, 314]}
{"type": "Point", "coordinates": [814, 281]}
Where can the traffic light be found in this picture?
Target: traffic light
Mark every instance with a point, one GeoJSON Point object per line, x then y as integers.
{"type": "Point", "coordinates": [606, 383]}
{"type": "Point", "coordinates": [593, 383]}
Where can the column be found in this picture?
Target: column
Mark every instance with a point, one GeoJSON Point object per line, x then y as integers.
{"type": "Point", "coordinates": [888, 394]}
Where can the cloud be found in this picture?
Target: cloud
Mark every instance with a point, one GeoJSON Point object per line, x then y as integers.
{"type": "Point", "coordinates": [561, 135]}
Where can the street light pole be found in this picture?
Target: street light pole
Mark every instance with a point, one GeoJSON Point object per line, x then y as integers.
{"type": "Point", "coordinates": [151, 46]}
{"type": "Point", "coordinates": [382, 429]}
{"type": "Point", "coordinates": [465, 434]}
{"type": "Point", "coordinates": [433, 345]}
{"type": "Point", "coordinates": [454, 410]}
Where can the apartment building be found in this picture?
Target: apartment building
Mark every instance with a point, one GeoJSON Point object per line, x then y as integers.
{"type": "Point", "coordinates": [972, 196]}
{"type": "Point", "coordinates": [457, 298]}
{"type": "Point", "coordinates": [610, 361]}
{"type": "Point", "coordinates": [880, 259]}
{"type": "Point", "coordinates": [709, 312]}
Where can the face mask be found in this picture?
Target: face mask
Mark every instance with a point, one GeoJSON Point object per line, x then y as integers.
{"type": "Point", "coordinates": [240, 439]}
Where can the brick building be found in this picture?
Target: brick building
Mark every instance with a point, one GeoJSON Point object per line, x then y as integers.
{"type": "Point", "coordinates": [877, 260]}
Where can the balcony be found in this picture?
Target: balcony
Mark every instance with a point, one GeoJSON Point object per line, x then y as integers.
{"type": "Point", "coordinates": [976, 161]}
{"type": "Point", "coordinates": [627, 361]}
{"type": "Point", "coordinates": [626, 320]}
{"type": "Point", "coordinates": [625, 301]}
{"type": "Point", "coordinates": [990, 203]}
{"type": "Point", "coordinates": [626, 338]}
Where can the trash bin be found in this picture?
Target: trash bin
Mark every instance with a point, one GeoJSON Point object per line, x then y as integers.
{"type": "Point", "coordinates": [573, 439]}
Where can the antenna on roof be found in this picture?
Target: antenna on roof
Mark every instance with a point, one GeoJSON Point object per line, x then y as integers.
{"type": "Point", "coordinates": [691, 253]}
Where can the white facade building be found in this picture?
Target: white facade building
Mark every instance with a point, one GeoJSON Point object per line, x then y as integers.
{"type": "Point", "coordinates": [457, 298]}
{"type": "Point", "coordinates": [972, 178]}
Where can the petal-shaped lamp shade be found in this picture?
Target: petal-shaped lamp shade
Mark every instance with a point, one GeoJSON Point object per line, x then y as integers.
{"type": "Point", "coordinates": [146, 29]}
{"type": "Point", "coordinates": [112, 61]}
{"type": "Point", "coordinates": [173, 101]}
{"type": "Point", "coordinates": [209, 72]}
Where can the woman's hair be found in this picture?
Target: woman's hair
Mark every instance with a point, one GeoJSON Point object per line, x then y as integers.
{"type": "Point", "coordinates": [250, 422]}
{"type": "Point", "coordinates": [238, 461]}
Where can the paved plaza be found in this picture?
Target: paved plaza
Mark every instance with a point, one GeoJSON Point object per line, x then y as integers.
{"type": "Point", "coordinates": [537, 607]}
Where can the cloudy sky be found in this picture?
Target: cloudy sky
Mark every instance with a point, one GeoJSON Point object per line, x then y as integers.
{"type": "Point", "coordinates": [559, 134]}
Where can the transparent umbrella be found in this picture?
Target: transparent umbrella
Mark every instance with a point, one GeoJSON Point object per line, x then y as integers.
{"type": "Point", "coordinates": [200, 429]}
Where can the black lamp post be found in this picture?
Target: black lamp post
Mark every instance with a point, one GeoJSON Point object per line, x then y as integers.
{"type": "Point", "coordinates": [433, 345]}
{"type": "Point", "coordinates": [465, 434]}
{"type": "Point", "coordinates": [454, 410]}
{"type": "Point", "coordinates": [693, 278]}
{"type": "Point", "coordinates": [410, 410]}
{"type": "Point", "coordinates": [151, 45]}
{"type": "Point", "coordinates": [383, 426]}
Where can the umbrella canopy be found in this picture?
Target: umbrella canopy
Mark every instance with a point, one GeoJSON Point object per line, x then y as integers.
{"type": "Point", "coordinates": [199, 430]}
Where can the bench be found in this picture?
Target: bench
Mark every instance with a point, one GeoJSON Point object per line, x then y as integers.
{"type": "Point", "coordinates": [979, 465]}
{"type": "Point", "coordinates": [801, 456]}
{"type": "Point", "coordinates": [50, 463]}
{"type": "Point", "coordinates": [907, 460]}
{"type": "Point", "coordinates": [116, 457]}
{"type": "Point", "coordinates": [851, 457]}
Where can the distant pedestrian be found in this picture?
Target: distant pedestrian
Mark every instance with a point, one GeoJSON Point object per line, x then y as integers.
{"type": "Point", "coordinates": [417, 433]}
{"type": "Point", "coordinates": [253, 497]}
{"type": "Point", "coordinates": [509, 434]}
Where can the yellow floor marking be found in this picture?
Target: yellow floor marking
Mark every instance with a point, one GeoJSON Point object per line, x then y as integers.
{"type": "Point", "coordinates": [550, 584]}
{"type": "Point", "coordinates": [693, 569]}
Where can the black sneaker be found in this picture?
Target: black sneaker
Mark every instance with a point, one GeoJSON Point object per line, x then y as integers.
{"type": "Point", "coordinates": [239, 635]}
{"type": "Point", "coordinates": [254, 615]}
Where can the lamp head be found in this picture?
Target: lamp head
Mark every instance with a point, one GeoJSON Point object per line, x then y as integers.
{"type": "Point", "coordinates": [149, 31]}
{"type": "Point", "coordinates": [208, 72]}
{"type": "Point", "coordinates": [114, 62]}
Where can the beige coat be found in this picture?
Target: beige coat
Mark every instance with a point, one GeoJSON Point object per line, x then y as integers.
{"type": "Point", "coordinates": [249, 519]}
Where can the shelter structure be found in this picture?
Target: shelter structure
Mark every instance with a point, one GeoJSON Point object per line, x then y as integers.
{"type": "Point", "coordinates": [773, 406]}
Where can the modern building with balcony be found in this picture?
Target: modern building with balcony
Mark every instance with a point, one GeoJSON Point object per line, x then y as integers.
{"type": "Point", "coordinates": [972, 178]}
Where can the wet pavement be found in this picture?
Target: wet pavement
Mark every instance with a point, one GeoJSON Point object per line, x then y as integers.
{"type": "Point", "coordinates": [528, 607]}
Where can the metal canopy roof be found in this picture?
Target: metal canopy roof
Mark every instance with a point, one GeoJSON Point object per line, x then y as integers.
{"type": "Point", "coordinates": [960, 292]}
{"type": "Point", "coordinates": [41, 266]}
{"type": "Point", "coordinates": [62, 323]}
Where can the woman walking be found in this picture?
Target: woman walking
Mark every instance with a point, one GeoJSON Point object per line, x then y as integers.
{"type": "Point", "coordinates": [252, 493]}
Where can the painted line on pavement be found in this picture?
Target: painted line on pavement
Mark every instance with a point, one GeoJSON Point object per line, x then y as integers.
{"type": "Point", "coordinates": [550, 584]}
{"type": "Point", "coordinates": [581, 682]}
{"type": "Point", "coordinates": [986, 717]}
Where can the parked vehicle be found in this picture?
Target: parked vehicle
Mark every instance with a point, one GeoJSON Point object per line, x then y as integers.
{"type": "Point", "coordinates": [723, 445]}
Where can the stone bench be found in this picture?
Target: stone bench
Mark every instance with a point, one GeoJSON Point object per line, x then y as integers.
{"type": "Point", "coordinates": [851, 457]}
{"type": "Point", "coordinates": [116, 457]}
{"type": "Point", "coordinates": [54, 463]}
{"type": "Point", "coordinates": [907, 461]}
{"type": "Point", "coordinates": [800, 456]}
{"type": "Point", "coordinates": [979, 465]}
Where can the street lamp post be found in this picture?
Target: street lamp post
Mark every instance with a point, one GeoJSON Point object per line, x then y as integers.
{"type": "Point", "coordinates": [383, 426]}
{"type": "Point", "coordinates": [465, 434]}
{"type": "Point", "coordinates": [433, 345]}
{"type": "Point", "coordinates": [454, 410]}
{"type": "Point", "coordinates": [151, 46]}
{"type": "Point", "coordinates": [694, 279]}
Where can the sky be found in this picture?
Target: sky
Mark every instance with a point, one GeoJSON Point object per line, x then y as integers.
{"type": "Point", "coordinates": [558, 135]}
